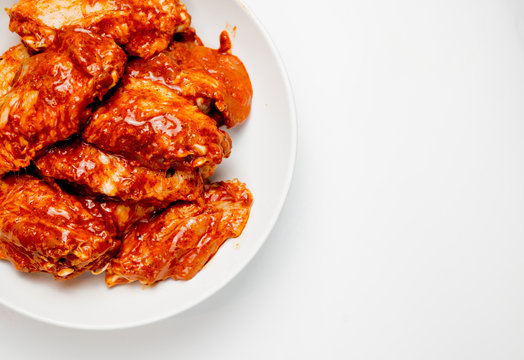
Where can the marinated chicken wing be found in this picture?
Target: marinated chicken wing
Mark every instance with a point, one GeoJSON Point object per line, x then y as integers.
{"type": "Point", "coordinates": [180, 241]}
{"type": "Point", "coordinates": [142, 27]}
{"type": "Point", "coordinates": [214, 80]}
{"type": "Point", "coordinates": [45, 229]}
{"type": "Point", "coordinates": [50, 95]}
{"type": "Point", "coordinates": [9, 64]}
{"type": "Point", "coordinates": [150, 124]}
{"type": "Point", "coordinates": [114, 176]}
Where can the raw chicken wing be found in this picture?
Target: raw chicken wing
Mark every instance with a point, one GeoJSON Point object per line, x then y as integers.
{"type": "Point", "coordinates": [114, 176]}
{"type": "Point", "coordinates": [181, 240]}
{"type": "Point", "coordinates": [150, 124]}
{"type": "Point", "coordinates": [45, 229]}
{"type": "Point", "coordinates": [50, 95]}
{"type": "Point", "coordinates": [216, 80]}
{"type": "Point", "coordinates": [142, 27]}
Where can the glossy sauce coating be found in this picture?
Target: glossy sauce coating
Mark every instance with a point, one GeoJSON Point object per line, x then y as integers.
{"type": "Point", "coordinates": [114, 176]}
{"type": "Point", "coordinates": [9, 64]}
{"type": "Point", "coordinates": [215, 80]}
{"type": "Point", "coordinates": [46, 229]}
{"type": "Point", "coordinates": [142, 27]}
{"type": "Point", "coordinates": [117, 215]}
{"type": "Point", "coordinates": [50, 95]}
{"type": "Point", "coordinates": [150, 124]}
{"type": "Point", "coordinates": [123, 215]}
{"type": "Point", "coordinates": [180, 241]}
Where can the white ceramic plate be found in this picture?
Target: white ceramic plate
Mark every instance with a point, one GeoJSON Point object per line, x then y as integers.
{"type": "Point", "coordinates": [263, 157]}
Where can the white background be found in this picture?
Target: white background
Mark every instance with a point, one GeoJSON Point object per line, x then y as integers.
{"type": "Point", "coordinates": [402, 236]}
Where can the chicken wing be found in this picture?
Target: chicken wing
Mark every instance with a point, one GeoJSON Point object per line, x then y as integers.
{"type": "Point", "coordinates": [181, 240]}
{"type": "Point", "coordinates": [214, 80]}
{"type": "Point", "coordinates": [9, 64]}
{"type": "Point", "coordinates": [142, 27]}
{"type": "Point", "coordinates": [43, 229]}
{"type": "Point", "coordinates": [114, 176]}
{"type": "Point", "coordinates": [50, 95]}
{"type": "Point", "coordinates": [150, 124]}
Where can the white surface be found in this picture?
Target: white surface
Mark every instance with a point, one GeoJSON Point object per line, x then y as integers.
{"type": "Point", "coordinates": [402, 237]}
{"type": "Point", "coordinates": [263, 157]}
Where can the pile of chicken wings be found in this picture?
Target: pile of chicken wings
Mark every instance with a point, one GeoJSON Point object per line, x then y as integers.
{"type": "Point", "coordinates": [112, 118]}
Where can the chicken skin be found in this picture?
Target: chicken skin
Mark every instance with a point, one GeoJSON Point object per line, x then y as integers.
{"type": "Point", "coordinates": [49, 97]}
{"type": "Point", "coordinates": [114, 176]}
{"type": "Point", "coordinates": [123, 215]}
{"type": "Point", "coordinates": [215, 80]}
{"type": "Point", "coordinates": [44, 229]}
{"type": "Point", "coordinates": [117, 215]}
{"type": "Point", "coordinates": [151, 125]}
{"type": "Point", "coordinates": [9, 64]}
{"type": "Point", "coordinates": [180, 241]}
{"type": "Point", "coordinates": [142, 27]}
